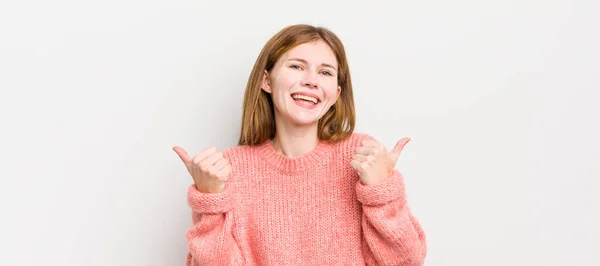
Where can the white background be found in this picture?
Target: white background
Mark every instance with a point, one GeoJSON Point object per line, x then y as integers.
{"type": "Point", "coordinates": [500, 99]}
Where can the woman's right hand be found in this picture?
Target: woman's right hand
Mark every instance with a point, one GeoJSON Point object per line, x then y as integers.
{"type": "Point", "coordinates": [209, 169]}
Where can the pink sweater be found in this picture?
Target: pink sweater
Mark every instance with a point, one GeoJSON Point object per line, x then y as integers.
{"type": "Point", "coordinates": [310, 210]}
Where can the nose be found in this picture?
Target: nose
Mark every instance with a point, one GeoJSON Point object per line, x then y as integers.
{"type": "Point", "coordinates": [310, 80]}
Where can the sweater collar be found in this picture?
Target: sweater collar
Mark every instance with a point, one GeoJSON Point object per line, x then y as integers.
{"type": "Point", "coordinates": [313, 159]}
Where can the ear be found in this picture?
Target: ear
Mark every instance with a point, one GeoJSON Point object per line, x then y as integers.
{"type": "Point", "coordinates": [339, 91]}
{"type": "Point", "coordinates": [265, 84]}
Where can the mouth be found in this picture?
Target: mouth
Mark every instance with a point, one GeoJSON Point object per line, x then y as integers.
{"type": "Point", "coordinates": [306, 98]}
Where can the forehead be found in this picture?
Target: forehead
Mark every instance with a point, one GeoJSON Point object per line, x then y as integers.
{"type": "Point", "coordinates": [313, 52]}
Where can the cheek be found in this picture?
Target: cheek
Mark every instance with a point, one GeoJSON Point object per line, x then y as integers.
{"type": "Point", "coordinates": [286, 80]}
{"type": "Point", "coordinates": [330, 90]}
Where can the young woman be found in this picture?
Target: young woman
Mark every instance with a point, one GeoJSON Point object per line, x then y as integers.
{"type": "Point", "coordinates": [301, 188]}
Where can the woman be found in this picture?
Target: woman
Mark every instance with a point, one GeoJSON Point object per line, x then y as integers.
{"type": "Point", "coordinates": [301, 188]}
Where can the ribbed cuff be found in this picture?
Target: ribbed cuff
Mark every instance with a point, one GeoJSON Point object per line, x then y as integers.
{"type": "Point", "coordinates": [209, 203]}
{"type": "Point", "coordinates": [392, 189]}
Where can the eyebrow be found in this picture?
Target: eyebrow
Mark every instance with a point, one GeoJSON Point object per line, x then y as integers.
{"type": "Point", "coordinates": [304, 61]}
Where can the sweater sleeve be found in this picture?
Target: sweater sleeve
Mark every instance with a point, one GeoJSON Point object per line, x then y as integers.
{"type": "Point", "coordinates": [210, 239]}
{"type": "Point", "coordinates": [391, 234]}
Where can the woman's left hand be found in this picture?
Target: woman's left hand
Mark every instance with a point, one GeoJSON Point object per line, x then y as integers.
{"type": "Point", "coordinates": [374, 163]}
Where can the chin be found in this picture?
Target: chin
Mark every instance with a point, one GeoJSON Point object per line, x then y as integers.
{"type": "Point", "coordinates": [303, 121]}
{"type": "Point", "coordinates": [303, 114]}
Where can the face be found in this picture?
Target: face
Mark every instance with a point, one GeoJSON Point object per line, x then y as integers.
{"type": "Point", "coordinates": [303, 83]}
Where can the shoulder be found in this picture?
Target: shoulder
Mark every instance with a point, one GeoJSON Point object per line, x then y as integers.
{"type": "Point", "coordinates": [239, 152]}
{"type": "Point", "coordinates": [347, 146]}
{"type": "Point", "coordinates": [356, 139]}
{"type": "Point", "coordinates": [244, 161]}
{"type": "Point", "coordinates": [247, 154]}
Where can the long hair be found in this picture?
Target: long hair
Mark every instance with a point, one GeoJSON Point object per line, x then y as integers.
{"type": "Point", "coordinates": [258, 119]}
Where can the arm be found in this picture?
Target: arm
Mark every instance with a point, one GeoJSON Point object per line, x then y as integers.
{"type": "Point", "coordinates": [391, 234]}
{"type": "Point", "coordinates": [210, 239]}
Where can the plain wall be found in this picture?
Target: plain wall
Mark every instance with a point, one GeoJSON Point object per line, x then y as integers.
{"type": "Point", "coordinates": [500, 99]}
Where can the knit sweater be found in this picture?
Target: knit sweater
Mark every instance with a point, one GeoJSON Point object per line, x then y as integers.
{"type": "Point", "coordinates": [308, 210]}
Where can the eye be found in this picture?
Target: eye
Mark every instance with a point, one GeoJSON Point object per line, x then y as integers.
{"type": "Point", "coordinates": [295, 67]}
{"type": "Point", "coordinates": [327, 73]}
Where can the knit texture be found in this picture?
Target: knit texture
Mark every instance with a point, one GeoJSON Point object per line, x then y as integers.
{"type": "Point", "coordinates": [309, 210]}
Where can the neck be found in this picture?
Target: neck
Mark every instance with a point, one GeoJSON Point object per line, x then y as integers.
{"type": "Point", "coordinates": [294, 140]}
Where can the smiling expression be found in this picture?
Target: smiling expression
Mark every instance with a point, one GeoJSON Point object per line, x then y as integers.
{"type": "Point", "coordinates": [303, 83]}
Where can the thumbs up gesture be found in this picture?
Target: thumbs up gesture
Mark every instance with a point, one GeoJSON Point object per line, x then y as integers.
{"type": "Point", "coordinates": [374, 163]}
{"type": "Point", "coordinates": [209, 169]}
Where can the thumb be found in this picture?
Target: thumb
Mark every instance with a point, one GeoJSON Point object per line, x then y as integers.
{"type": "Point", "coordinates": [185, 157]}
{"type": "Point", "coordinates": [398, 148]}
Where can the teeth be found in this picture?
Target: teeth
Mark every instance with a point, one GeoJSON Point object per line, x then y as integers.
{"type": "Point", "coordinates": [304, 97]}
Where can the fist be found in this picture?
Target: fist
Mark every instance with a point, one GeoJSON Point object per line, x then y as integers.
{"type": "Point", "coordinates": [373, 163]}
{"type": "Point", "coordinates": [209, 169]}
